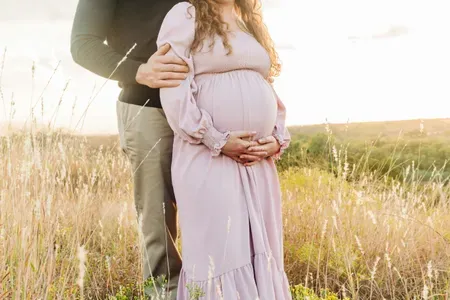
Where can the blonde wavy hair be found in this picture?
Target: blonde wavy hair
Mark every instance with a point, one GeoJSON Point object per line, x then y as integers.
{"type": "Point", "coordinates": [209, 24]}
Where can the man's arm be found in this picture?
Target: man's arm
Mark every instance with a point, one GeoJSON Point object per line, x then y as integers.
{"type": "Point", "coordinates": [93, 18]}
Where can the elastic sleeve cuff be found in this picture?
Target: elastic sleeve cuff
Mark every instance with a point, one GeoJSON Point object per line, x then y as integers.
{"type": "Point", "coordinates": [283, 146]}
{"type": "Point", "coordinates": [215, 140]}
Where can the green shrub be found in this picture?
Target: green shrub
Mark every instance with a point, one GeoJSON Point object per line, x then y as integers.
{"type": "Point", "coordinates": [300, 292]}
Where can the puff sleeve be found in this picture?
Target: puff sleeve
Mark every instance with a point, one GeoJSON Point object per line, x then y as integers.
{"type": "Point", "coordinates": [186, 119]}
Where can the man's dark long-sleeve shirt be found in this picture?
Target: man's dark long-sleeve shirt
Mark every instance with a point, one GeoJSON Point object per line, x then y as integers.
{"type": "Point", "coordinates": [122, 24]}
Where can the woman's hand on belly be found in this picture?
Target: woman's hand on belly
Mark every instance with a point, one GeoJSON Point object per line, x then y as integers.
{"type": "Point", "coordinates": [265, 147]}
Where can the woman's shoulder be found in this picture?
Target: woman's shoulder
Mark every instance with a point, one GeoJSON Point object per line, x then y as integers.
{"type": "Point", "coordinates": [178, 25]}
{"type": "Point", "coordinates": [182, 11]}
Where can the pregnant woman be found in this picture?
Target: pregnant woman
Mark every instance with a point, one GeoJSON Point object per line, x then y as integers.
{"type": "Point", "coordinates": [229, 212]}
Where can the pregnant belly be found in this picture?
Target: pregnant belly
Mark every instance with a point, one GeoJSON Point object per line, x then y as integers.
{"type": "Point", "coordinates": [238, 100]}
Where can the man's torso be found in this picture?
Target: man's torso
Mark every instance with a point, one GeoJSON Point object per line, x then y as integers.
{"type": "Point", "coordinates": [138, 22]}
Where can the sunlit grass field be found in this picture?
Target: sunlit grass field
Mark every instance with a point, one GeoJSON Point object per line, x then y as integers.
{"type": "Point", "coordinates": [68, 228]}
{"type": "Point", "coordinates": [360, 222]}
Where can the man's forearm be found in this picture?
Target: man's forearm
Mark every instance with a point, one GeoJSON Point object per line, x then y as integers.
{"type": "Point", "coordinates": [93, 20]}
{"type": "Point", "coordinates": [91, 53]}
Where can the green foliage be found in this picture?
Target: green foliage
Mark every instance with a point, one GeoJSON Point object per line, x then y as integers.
{"type": "Point", "coordinates": [195, 292]}
{"type": "Point", "coordinates": [156, 287]}
{"type": "Point", "coordinates": [318, 145]}
{"type": "Point", "coordinates": [426, 155]}
{"type": "Point", "coordinates": [300, 292]}
{"type": "Point", "coordinates": [124, 293]}
{"type": "Point", "coordinates": [151, 288]}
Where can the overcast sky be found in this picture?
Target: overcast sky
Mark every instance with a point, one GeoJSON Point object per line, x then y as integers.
{"type": "Point", "coordinates": [56, 9]}
{"type": "Point", "coordinates": [36, 9]}
{"type": "Point", "coordinates": [356, 60]}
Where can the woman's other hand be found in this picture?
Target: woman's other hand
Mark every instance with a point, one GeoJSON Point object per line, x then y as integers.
{"type": "Point", "coordinates": [268, 146]}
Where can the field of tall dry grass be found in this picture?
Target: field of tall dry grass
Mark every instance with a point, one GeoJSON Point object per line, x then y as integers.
{"type": "Point", "coordinates": [68, 227]}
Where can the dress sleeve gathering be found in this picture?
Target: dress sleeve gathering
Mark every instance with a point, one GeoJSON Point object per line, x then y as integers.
{"type": "Point", "coordinates": [280, 131]}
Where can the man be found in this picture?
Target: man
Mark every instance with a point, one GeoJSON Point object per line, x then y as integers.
{"type": "Point", "coordinates": [130, 57]}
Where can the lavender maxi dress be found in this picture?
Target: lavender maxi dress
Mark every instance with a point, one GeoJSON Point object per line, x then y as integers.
{"type": "Point", "coordinates": [229, 214]}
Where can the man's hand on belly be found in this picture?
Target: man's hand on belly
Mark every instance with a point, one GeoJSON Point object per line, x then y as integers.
{"type": "Point", "coordinates": [268, 145]}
